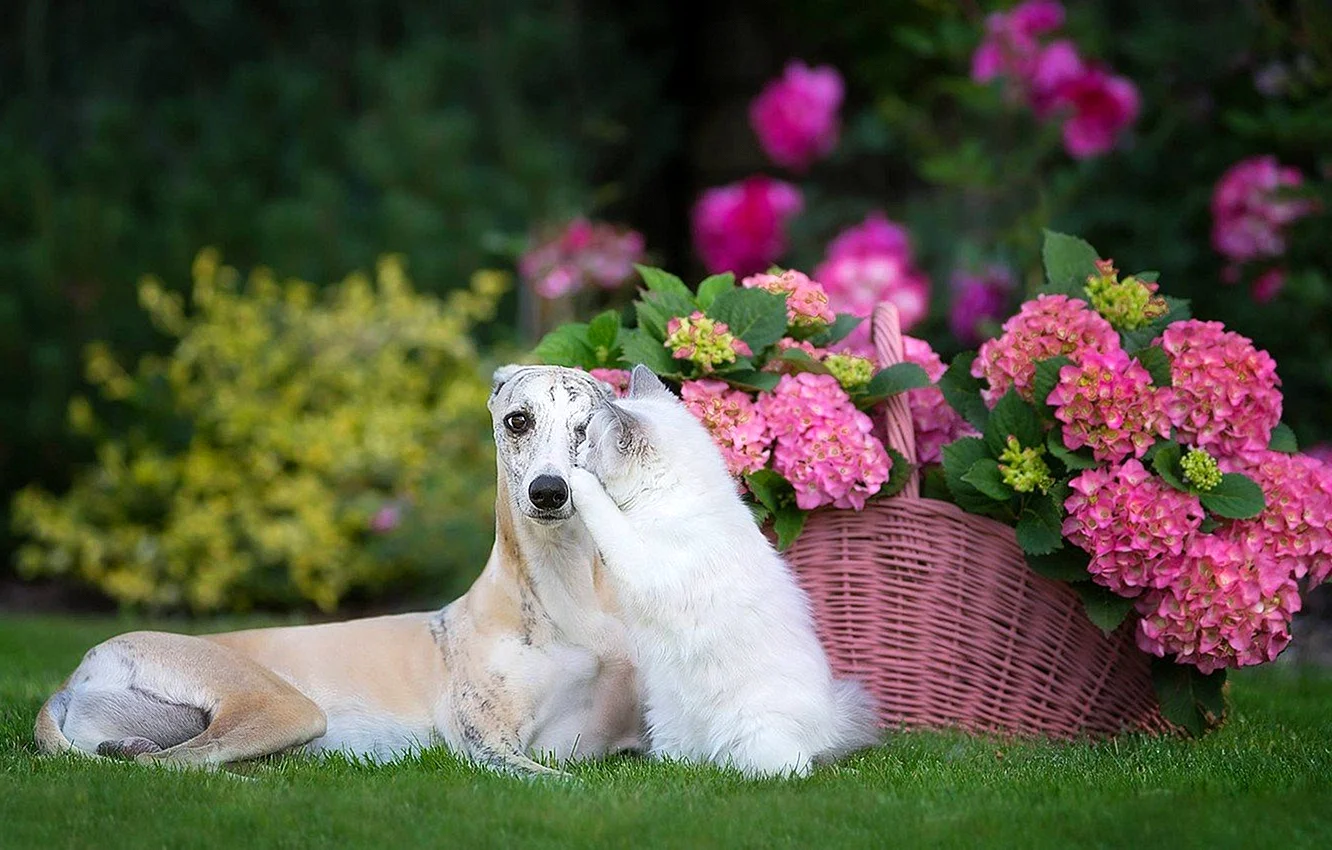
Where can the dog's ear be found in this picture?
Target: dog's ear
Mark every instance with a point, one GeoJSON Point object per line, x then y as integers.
{"type": "Point", "coordinates": [502, 376]}
{"type": "Point", "coordinates": [643, 383]}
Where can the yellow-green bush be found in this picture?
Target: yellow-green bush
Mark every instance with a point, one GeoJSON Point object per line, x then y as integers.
{"type": "Point", "coordinates": [264, 445]}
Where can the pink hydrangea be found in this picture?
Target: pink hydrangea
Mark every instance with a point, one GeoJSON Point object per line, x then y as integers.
{"type": "Point", "coordinates": [1251, 210]}
{"type": "Point", "coordinates": [1320, 451]}
{"type": "Point", "coordinates": [580, 254]}
{"type": "Point", "coordinates": [734, 421]}
{"type": "Point", "coordinates": [1107, 401]}
{"type": "Point", "coordinates": [703, 341]}
{"type": "Point", "coordinates": [1230, 606]}
{"type": "Point", "coordinates": [1044, 327]}
{"type": "Point", "coordinates": [979, 302]}
{"type": "Point", "coordinates": [741, 227]}
{"type": "Point", "coordinates": [617, 378]}
{"type": "Point", "coordinates": [795, 116]}
{"type": "Point", "coordinates": [1296, 523]}
{"type": "Point", "coordinates": [1224, 395]}
{"type": "Point", "coordinates": [869, 264]}
{"type": "Point", "coordinates": [1134, 525]}
{"type": "Point", "coordinates": [936, 424]}
{"type": "Point", "coordinates": [824, 445]}
{"type": "Point", "coordinates": [1010, 46]}
{"type": "Point", "coordinates": [806, 302]}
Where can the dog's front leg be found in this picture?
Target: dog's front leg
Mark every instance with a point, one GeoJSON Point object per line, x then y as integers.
{"type": "Point", "coordinates": [492, 739]}
{"type": "Point", "coordinates": [610, 528]}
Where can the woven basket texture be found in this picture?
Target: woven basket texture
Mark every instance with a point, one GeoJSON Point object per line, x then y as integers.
{"type": "Point", "coordinates": [937, 612]}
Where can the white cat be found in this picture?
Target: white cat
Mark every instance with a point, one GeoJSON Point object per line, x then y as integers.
{"type": "Point", "coordinates": [730, 668]}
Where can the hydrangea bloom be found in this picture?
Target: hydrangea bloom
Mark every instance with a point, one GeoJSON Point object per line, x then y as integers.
{"type": "Point", "coordinates": [1127, 304]}
{"type": "Point", "coordinates": [617, 378]}
{"type": "Point", "coordinates": [1296, 524]}
{"type": "Point", "coordinates": [795, 116]}
{"type": "Point", "coordinates": [1230, 606]}
{"type": "Point", "coordinates": [1044, 327]}
{"type": "Point", "coordinates": [824, 445]}
{"type": "Point", "coordinates": [741, 227]}
{"type": "Point", "coordinates": [580, 254]}
{"type": "Point", "coordinates": [1249, 213]}
{"type": "Point", "coordinates": [806, 302]}
{"type": "Point", "coordinates": [1025, 469]}
{"type": "Point", "coordinates": [1107, 401]}
{"type": "Point", "coordinates": [979, 302]}
{"type": "Point", "coordinates": [734, 421]}
{"type": "Point", "coordinates": [1009, 48]}
{"type": "Point", "coordinates": [703, 341]}
{"type": "Point", "coordinates": [936, 424]}
{"type": "Point", "coordinates": [1133, 524]}
{"type": "Point", "coordinates": [1224, 395]}
{"type": "Point", "coordinates": [850, 370]}
{"type": "Point", "coordinates": [871, 263]}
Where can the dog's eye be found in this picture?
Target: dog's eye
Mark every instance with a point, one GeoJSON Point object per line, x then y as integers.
{"type": "Point", "coordinates": [517, 422]}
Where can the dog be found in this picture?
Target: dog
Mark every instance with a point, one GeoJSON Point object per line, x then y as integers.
{"type": "Point", "coordinates": [531, 661]}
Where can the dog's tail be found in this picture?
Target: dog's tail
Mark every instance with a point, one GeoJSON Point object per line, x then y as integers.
{"type": "Point", "coordinates": [50, 737]}
{"type": "Point", "coordinates": [857, 722]}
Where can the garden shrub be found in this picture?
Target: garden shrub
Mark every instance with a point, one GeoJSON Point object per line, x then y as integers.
{"type": "Point", "coordinates": [286, 431]}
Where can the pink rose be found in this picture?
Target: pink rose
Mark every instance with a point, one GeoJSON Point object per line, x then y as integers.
{"type": "Point", "coordinates": [795, 116]}
{"type": "Point", "coordinates": [741, 227]}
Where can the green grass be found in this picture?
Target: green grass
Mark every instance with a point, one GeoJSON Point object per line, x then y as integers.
{"type": "Point", "coordinates": [1263, 780]}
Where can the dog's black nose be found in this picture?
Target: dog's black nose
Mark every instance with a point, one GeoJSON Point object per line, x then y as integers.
{"type": "Point", "coordinates": [548, 492]}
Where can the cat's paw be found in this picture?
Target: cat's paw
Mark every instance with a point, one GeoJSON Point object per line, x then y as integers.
{"type": "Point", "coordinates": [582, 482]}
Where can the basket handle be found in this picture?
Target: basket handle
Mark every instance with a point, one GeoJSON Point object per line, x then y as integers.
{"type": "Point", "coordinates": [886, 334]}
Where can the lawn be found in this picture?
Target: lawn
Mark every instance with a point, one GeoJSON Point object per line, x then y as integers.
{"type": "Point", "coordinates": [1263, 780]}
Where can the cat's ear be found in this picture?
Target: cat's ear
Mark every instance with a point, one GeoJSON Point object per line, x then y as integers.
{"type": "Point", "coordinates": [624, 425]}
{"type": "Point", "coordinates": [644, 384]}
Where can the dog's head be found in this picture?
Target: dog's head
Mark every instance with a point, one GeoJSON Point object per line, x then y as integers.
{"type": "Point", "coordinates": [540, 416]}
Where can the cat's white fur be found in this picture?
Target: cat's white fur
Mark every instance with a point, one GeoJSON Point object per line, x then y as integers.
{"type": "Point", "coordinates": [730, 668]}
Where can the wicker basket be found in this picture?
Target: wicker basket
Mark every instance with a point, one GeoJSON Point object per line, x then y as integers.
{"type": "Point", "coordinates": [937, 612]}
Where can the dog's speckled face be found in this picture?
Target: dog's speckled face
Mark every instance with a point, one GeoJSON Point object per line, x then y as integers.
{"type": "Point", "coordinates": [540, 416]}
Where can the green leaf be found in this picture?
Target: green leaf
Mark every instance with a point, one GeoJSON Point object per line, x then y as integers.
{"type": "Point", "coordinates": [760, 513]}
{"type": "Point", "coordinates": [1208, 525]}
{"type": "Point", "coordinates": [986, 477]}
{"type": "Point", "coordinates": [891, 381]}
{"type": "Point", "coordinates": [1069, 261]}
{"type": "Point", "coordinates": [1045, 380]}
{"type": "Point", "coordinates": [1283, 440]}
{"type": "Point", "coordinates": [933, 484]}
{"type": "Point", "coordinates": [713, 286]}
{"type": "Point", "coordinates": [1177, 309]}
{"type": "Point", "coordinates": [1039, 526]}
{"type": "Point", "coordinates": [898, 474]}
{"type": "Point", "coordinates": [1150, 277]}
{"type": "Point", "coordinates": [1105, 608]}
{"type": "Point", "coordinates": [1081, 459]}
{"type": "Point", "coordinates": [1013, 416]}
{"type": "Point", "coordinates": [602, 334]}
{"type": "Point", "coordinates": [1066, 564]}
{"type": "Point", "coordinates": [788, 523]}
{"type": "Point", "coordinates": [567, 346]}
{"type": "Point", "coordinates": [1188, 698]}
{"type": "Point", "coordinates": [638, 346]}
{"type": "Point", "coordinates": [842, 326]}
{"type": "Point", "coordinates": [658, 280]}
{"type": "Point", "coordinates": [958, 458]}
{"type": "Point", "coordinates": [799, 361]}
{"type": "Point", "coordinates": [1157, 363]}
{"type": "Point", "coordinates": [770, 488]}
{"type": "Point", "coordinates": [962, 391]}
{"type": "Point", "coordinates": [1165, 461]}
{"type": "Point", "coordinates": [750, 380]}
{"type": "Point", "coordinates": [652, 317]}
{"type": "Point", "coordinates": [1236, 497]}
{"type": "Point", "coordinates": [754, 315]}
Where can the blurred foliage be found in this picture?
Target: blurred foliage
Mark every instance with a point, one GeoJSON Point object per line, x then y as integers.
{"type": "Point", "coordinates": [285, 430]}
{"type": "Point", "coordinates": [977, 178]}
{"type": "Point", "coordinates": [311, 137]}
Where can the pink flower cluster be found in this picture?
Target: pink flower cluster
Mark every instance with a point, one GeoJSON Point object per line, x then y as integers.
{"type": "Point", "coordinates": [1094, 105]}
{"type": "Point", "coordinates": [1044, 327]}
{"type": "Point", "coordinates": [871, 263]}
{"type": "Point", "coordinates": [1252, 208]}
{"type": "Point", "coordinates": [1107, 401]}
{"type": "Point", "coordinates": [936, 423]}
{"type": "Point", "coordinates": [1224, 396]}
{"type": "Point", "coordinates": [1133, 524]}
{"type": "Point", "coordinates": [795, 116]}
{"type": "Point", "coordinates": [618, 379]}
{"type": "Point", "coordinates": [741, 227]}
{"type": "Point", "coordinates": [1228, 607]}
{"type": "Point", "coordinates": [824, 445]}
{"type": "Point", "coordinates": [979, 302]}
{"type": "Point", "coordinates": [806, 301]}
{"type": "Point", "coordinates": [1296, 524]}
{"type": "Point", "coordinates": [581, 254]}
{"type": "Point", "coordinates": [734, 421]}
